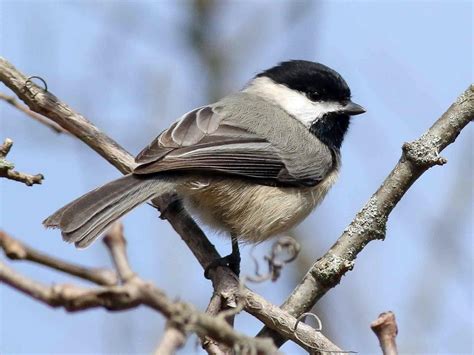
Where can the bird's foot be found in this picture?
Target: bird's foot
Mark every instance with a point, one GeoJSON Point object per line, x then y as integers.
{"type": "Point", "coordinates": [232, 261]}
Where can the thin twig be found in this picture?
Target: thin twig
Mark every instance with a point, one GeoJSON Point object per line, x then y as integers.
{"type": "Point", "coordinates": [369, 224]}
{"type": "Point", "coordinates": [73, 298]}
{"type": "Point", "coordinates": [385, 327]}
{"type": "Point", "coordinates": [116, 244]}
{"type": "Point", "coordinates": [43, 120]}
{"type": "Point", "coordinates": [16, 250]}
{"type": "Point", "coordinates": [5, 147]}
{"type": "Point", "coordinates": [213, 309]}
{"type": "Point", "coordinates": [6, 168]}
{"type": "Point", "coordinates": [212, 348]}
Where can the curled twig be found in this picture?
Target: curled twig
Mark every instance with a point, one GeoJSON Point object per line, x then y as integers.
{"type": "Point", "coordinates": [283, 251]}
{"type": "Point", "coordinates": [314, 316]}
{"type": "Point", "coordinates": [29, 82]}
{"type": "Point", "coordinates": [319, 328]}
{"type": "Point", "coordinates": [284, 246]}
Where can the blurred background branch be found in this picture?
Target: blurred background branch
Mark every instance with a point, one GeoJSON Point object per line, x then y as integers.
{"type": "Point", "coordinates": [12, 101]}
{"type": "Point", "coordinates": [131, 293]}
{"type": "Point", "coordinates": [16, 250]}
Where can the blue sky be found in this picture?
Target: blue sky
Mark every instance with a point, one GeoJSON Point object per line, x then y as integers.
{"type": "Point", "coordinates": [129, 67]}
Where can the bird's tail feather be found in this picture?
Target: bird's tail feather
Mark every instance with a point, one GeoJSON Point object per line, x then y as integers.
{"type": "Point", "coordinates": [84, 219]}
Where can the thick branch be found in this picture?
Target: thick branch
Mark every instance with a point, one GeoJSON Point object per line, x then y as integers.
{"type": "Point", "coordinates": [369, 223]}
{"type": "Point", "coordinates": [50, 106]}
{"type": "Point", "coordinates": [385, 327]}
{"type": "Point", "coordinates": [15, 250]}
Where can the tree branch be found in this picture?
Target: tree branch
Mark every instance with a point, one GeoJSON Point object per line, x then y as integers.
{"type": "Point", "coordinates": [369, 224]}
{"type": "Point", "coordinates": [6, 168]}
{"type": "Point", "coordinates": [116, 244]}
{"type": "Point", "coordinates": [43, 120]}
{"type": "Point", "coordinates": [72, 298]}
{"type": "Point", "coordinates": [132, 293]}
{"type": "Point", "coordinates": [15, 250]}
{"type": "Point", "coordinates": [173, 337]}
{"type": "Point", "coordinates": [172, 340]}
{"type": "Point", "coordinates": [226, 284]}
{"type": "Point", "coordinates": [48, 105]}
{"type": "Point", "coordinates": [215, 306]}
{"type": "Point", "coordinates": [385, 327]}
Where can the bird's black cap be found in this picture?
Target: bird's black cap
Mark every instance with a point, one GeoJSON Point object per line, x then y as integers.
{"type": "Point", "coordinates": [317, 81]}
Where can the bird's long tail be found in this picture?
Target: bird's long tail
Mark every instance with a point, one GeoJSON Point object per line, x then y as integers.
{"type": "Point", "coordinates": [84, 219]}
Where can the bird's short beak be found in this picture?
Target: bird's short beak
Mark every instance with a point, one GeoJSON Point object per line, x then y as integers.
{"type": "Point", "coordinates": [353, 109]}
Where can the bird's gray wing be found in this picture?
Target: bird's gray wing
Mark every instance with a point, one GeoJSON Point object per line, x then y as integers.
{"type": "Point", "coordinates": [204, 141]}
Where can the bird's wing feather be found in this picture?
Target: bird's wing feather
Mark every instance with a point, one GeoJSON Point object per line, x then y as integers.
{"type": "Point", "coordinates": [204, 141]}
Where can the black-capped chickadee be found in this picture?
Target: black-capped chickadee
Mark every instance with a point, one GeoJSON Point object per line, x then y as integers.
{"type": "Point", "coordinates": [253, 164]}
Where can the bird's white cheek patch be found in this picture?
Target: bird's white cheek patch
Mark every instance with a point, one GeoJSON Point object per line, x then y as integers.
{"type": "Point", "coordinates": [295, 103]}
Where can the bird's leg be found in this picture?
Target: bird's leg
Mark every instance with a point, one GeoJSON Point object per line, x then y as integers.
{"type": "Point", "coordinates": [234, 257]}
{"type": "Point", "coordinates": [232, 260]}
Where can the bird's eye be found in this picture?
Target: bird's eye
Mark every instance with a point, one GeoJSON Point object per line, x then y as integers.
{"type": "Point", "coordinates": [314, 96]}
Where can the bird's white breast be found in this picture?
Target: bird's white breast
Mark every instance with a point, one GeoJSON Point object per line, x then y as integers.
{"type": "Point", "coordinates": [252, 212]}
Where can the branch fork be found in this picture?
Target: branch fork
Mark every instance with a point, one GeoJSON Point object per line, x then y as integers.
{"type": "Point", "coordinates": [6, 167]}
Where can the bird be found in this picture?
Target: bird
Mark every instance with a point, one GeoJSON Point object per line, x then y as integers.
{"type": "Point", "coordinates": [253, 164]}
